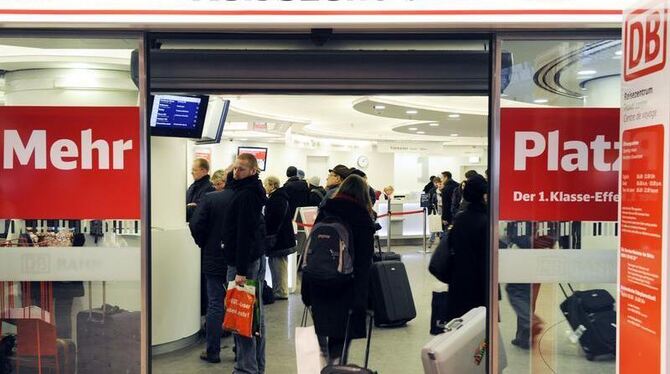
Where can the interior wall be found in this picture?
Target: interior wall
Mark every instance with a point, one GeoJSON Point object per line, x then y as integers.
{"type": "Point", "coordinates": [404, 171]}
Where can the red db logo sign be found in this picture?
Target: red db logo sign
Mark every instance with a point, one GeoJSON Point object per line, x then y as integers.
{"type": "Point", "coordinates": [645, 36]}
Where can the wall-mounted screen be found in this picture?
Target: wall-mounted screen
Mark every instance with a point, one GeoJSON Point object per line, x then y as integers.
{"type": "Point", "coordinates": [260, 153]}
{"type": "Point", "coordinates": [215, 119]}
{"type": "Point", "coordinates": [178, 115]}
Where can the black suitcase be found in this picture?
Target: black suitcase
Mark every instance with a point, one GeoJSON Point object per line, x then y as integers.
{"type": "Point", "coordinates": [108, 340]}
{"type": "Point", "coordinates": [592, 316]}
{"type": "Point", "coordinates": [391, 294]}
{"type": "Point", "coordinates": [343, 367]}
{"type": "Point", "coordinates": [383, 256]}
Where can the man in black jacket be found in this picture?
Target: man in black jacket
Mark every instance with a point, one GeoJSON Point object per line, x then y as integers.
{"type": "Point", "coordinates": [200, 186]}
{"type": "Point", "coordinates": [297, 189]}
{"type": "Point", "coordinates": [207, 228]}
{"type": "Point", "coordinates": [447, 193]}
{"type": "Point", "coordinates": [243, 247]}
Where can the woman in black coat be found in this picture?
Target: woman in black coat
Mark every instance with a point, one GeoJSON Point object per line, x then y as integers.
{"type": "Point", "coordinates": [469, 237]}
{"type": "Point", "coordinates": [330, 306]}
{"type": "Point", "coordinates": [281, 237]}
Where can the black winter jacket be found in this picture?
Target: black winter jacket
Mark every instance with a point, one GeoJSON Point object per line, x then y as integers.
{"type": "Point", "coordinates": [243, 242]}
{"type": "Point", "coordinates": [207, 230]}
{"type": "Point", "coordinates": [330, 307]}
{"type": "Point", "coordinates": [195, 192]}
{"type": "Point", "coordinates": [298, 192]}
{"type": "Point", "coordinates": [316, 195]}
{"type": "Point", "coordinates": [469, 238]}
{"type": "Point", "coordinates": [278, 222]}
{"type": "Point", "coordinates": [447, 193]}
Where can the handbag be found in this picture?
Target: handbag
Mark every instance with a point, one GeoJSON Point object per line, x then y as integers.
{"type": "Point", "coordinates": [442, 261]}
{"type": "Point", "coordinates": [435, 223]}
{"type": "Point", "coordinates": [308, 353]}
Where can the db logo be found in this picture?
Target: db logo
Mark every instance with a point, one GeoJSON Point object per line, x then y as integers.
{"type": "Point", "coordinates": [645, 39]}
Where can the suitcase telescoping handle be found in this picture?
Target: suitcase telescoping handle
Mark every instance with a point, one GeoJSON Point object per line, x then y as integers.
{"type": "Point", "coordinates": [563, 289]}
{"type": "Point", "coordinates": [90, 302]}
{"type": "Point", "coordinates": [343, 358]}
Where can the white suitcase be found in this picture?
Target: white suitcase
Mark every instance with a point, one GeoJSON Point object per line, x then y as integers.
{"type": "Point", "coordinates": [459, 350]}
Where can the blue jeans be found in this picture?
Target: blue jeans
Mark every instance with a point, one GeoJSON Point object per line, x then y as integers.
{"type": "Point", "coordinates": [216, 289]}
{"type": "Point", "coordinates": [251, 351]}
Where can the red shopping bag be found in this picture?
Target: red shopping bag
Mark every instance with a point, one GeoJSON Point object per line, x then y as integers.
{"type": "Point", "coordinates": [239, 303]}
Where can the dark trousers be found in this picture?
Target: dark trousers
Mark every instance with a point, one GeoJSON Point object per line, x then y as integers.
{"type": "Point", "coordinates": [216, 290]}
{"type": "Point", "coordinates": [519, 295]}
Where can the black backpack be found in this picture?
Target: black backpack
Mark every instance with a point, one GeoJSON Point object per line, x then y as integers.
{"type": "Point", "coordinates": [329, 255]}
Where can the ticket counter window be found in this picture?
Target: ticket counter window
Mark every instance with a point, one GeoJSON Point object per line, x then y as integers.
{"type": "Point", "coordinates": [70, 225]}
{"type": "Point", "coordinates": [559, 127]}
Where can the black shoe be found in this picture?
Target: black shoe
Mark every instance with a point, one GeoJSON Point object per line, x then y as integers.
{"type": "Point", "coordinates": [210, 358]}
{"type": "Point", "coordinates": [523, 344]}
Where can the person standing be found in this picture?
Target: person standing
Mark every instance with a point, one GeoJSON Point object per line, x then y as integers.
{"type": "Point", "coordinates": [469, 240]}
{"type": "Point", "coordinates": [219, 179]}
{"type": "Point", "coordinates": [316, 192]}
{"type": "Point", "coordinates": [429, 186]}
{"type": "Point", "coordinates": [457, 201]}
{"type": "Point", "coordinates": [243, 247]}
{"type": "Point", "coordinates": [200, 186]}
{"type": "Point", "coordinates": [336, 176]}
{"type": "Point", "coordinates": [281, 237]}
{"type": "Point", "coordinates": [331, 304]}
{"type": "Point", "coordinates": [447, 192]}
{"type": "Point", "coordinates": [206, 228]}
{"type": "Point", "coordinates": [297, 189]}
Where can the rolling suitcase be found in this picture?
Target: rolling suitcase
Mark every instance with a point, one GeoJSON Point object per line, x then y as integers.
{"type": "Point", "coordinates": [460, 349]}
{"type": "Point", "coordinates": [343, 367]}
{"type": "Point", "coordinates": [108, 339]}
{"type": "Point", "coordinates": [383, 256]}
{"type": "Point", "coordinates": [592, 317]}
{"type": "Point", "coordinates": [391, 294]}
{"type": "Point", "coordinates": [67, 356]}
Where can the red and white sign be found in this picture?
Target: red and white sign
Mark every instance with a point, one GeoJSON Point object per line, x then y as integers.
{"type": "Point", "coordinates": [642, 326]}
{"type": "Point", "coordinates": [260, 153]}
{"type": "Point", "coordinates": [646, 34]}
{"type": "Point", "coordinates": [559, 164]}
{"type": "Point", "coordinates": [69, 162]}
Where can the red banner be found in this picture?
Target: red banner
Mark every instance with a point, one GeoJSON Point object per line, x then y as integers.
{"type": "Point", "coordinates": [641, 252]}
{"type": "Point", "coordinates": [69, 162]}
{"type": "Point", "coordinates": [559, 164]}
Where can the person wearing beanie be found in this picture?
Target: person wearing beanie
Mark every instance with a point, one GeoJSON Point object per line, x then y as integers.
{"type": "Point", "coordinates": [301, 174]}
{"type": "Point", "coordinates": [469, 238]}
{"type": "Point", "coordinates": [297, 190]}
{"type": "Point", "coordinates": [316, 192]}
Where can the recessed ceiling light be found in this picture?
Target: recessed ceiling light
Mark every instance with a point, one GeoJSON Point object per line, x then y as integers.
{"type": "Point", "coordinates": [243, 140]}
{"type": "Point", "coordinates": [454, 115]}
{"type": "Point", "coordinates": [433, 124]}
{"type": "Point", "coordinates": [453, 135]}
{"type": "Point", "coordinates": [540, 101]}
{"type": "Point", "coordinates": [412, 129]}
{"type": "Point", "coordinates": [420, 132]}
{"type": "Point", "coordinates": [618, 53]}
{"type": "Point", "coordinates": [379, 107]}
{"type": "Point", "coordinates": [412, 111]}
{"type": "Point", "coordinates": [586, 72]}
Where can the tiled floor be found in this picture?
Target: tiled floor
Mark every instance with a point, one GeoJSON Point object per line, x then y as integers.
{"type": "Point", "coordinates": [397, 350]}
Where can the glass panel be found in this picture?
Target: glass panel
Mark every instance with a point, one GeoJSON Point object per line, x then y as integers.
{"type": "Point", "coordinates": [69, 206]}
{"type": "Point", "coordinates": [558, 204]}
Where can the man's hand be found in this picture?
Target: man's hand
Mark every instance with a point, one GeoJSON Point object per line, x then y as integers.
{"type": "Point", "coordinates": [240, 280]}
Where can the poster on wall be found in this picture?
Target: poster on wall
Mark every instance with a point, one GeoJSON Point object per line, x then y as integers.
{"type": "Point", "coordinates": [70, 162]}
{"type": "Point", "coordinates": [260, 153]}
{"type": "Point", "coordinates": [559, 164]}
{"type": "Point", "coordinates": [203, 152]}
{"type": "Point", "coordinates": [643, 273]}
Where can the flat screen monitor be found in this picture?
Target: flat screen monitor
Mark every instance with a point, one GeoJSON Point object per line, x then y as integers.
{"type": "Point", "coordinates": [260, 153]}
{"type": "Point", "coordinates": [178, 115]}
{"type": "Point", "coordinates": [215, 119]}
